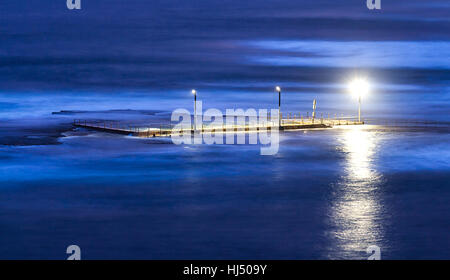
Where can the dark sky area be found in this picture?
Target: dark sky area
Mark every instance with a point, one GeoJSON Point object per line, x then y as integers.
{"type": "Point", "coordinates": [133, 44]}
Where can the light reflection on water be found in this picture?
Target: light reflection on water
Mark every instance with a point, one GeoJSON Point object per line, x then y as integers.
{"type": "Point", "coordinates": [356, 205]}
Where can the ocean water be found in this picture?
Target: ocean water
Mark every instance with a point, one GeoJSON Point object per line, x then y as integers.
{"type": "Point", "coordinates": [327, 194]}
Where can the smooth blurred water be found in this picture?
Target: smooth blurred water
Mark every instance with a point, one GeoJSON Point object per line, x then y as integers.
{"type": "Point", "coordinates": [326, 194]}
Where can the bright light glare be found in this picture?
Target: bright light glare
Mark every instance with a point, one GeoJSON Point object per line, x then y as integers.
{"type": "Point", "coordinates": [359, 87]}
{"type": "Point", "coordinates": [278, 88]}
{"type": "Point", "coordinates": [194, 91]}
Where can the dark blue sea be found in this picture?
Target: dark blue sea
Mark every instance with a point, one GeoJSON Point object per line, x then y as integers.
{"type": "Point", "coordinates": [326, 194]}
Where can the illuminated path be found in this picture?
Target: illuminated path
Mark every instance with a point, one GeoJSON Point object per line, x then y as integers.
{"type": "Point", "coordinates": [166, 131]}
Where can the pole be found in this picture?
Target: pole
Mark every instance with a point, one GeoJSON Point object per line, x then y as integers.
{"type": "Point", "coordinates": [314, 111]}
{"type": "Point", "coordinates": [359, 108]}
{"type": "Point", "coordinates": [195, 111]}
{"type": "Point", "coordinates": [279, 108]}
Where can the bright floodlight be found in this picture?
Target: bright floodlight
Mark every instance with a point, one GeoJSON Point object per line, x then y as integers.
{"type": "Point", "coordinates": [359, 87]}
{"type": "Point", "coordinates": [278, 88]}
{"type": "Point", "coordinates": [194, 91]}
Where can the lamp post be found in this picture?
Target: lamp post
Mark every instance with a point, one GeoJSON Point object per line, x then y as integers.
{"type": "Point", "coordinates": [359, 88]}
{"type": "Point", "coordinates": [359, 108]}
{"type": "Point", "coordinates": [314, 110]}
{"type": "Point", "coordinates": [194, 92]}
{"type": "Point", "coordinates": [278, 89]}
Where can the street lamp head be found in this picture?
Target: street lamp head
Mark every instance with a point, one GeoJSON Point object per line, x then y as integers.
{"type": "Point", "coordinates": [194, 92]}
{"type": "Point", "coordinates": [359, 87]}
{"type": "Point", "coordinates": [277, 88]}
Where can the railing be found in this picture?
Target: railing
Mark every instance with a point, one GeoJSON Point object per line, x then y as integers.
{"type": "Point", "coordinates": [319, 118]}
{"type": "Point", "coordinates": [166, 129]}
